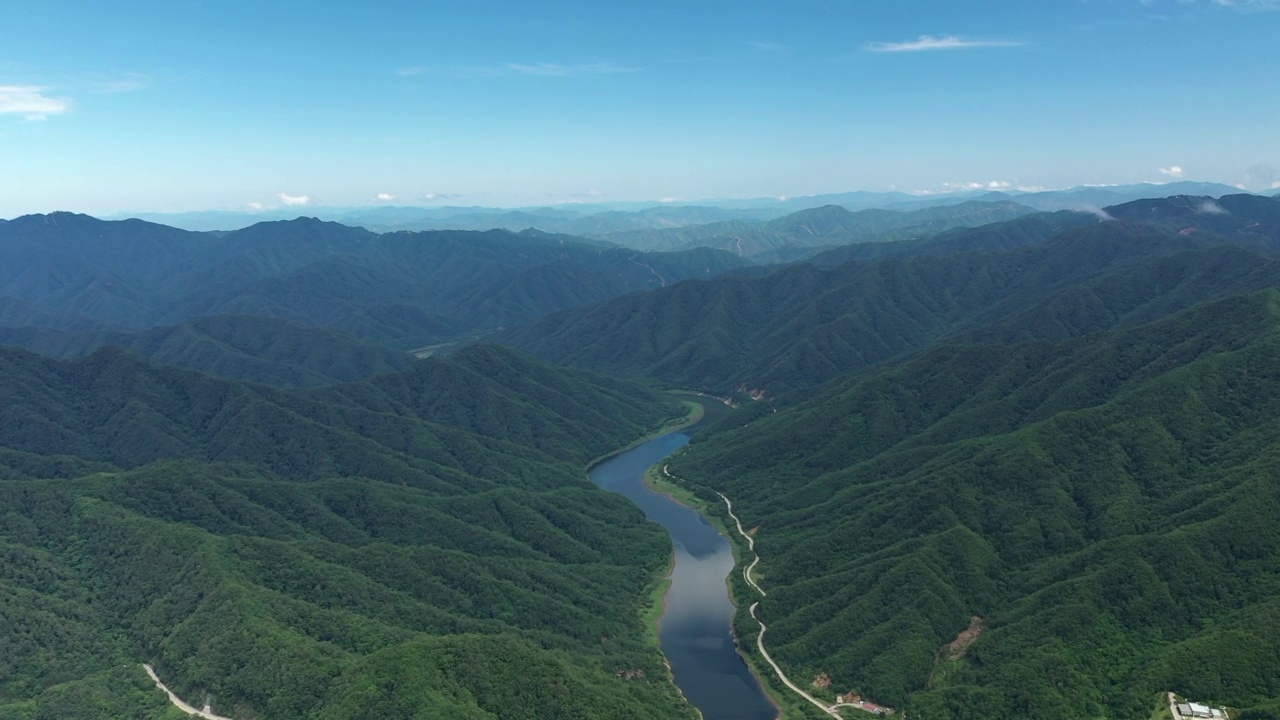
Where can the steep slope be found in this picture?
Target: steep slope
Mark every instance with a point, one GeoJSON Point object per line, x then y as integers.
{"type": "Point", "coordinates": [804, 326]}
{"type": "Point", "coordinates": [421, 544]}
{"type": "Point", "coordinates": [72, 272]}
{"type": "Point", "coordinates": [265, 350]}
{"type": "Point", "coordinates": [1107, 505]}
{"type": "Point", "coordinates": [821, 227]}
{"type": "Point", "coordinates": [996, 237]}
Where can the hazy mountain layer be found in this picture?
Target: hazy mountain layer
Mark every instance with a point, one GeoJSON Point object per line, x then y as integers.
{"type": "Point", "coordinates": [826, 226]}
{"type": "Point", "coordinates": [409, 290]}
{"type": "Point", "coordinates": [806, 325]}
{"type": "Point", "coordinates": [265, 350]}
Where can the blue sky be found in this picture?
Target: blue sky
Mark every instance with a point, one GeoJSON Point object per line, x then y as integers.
{"type": "Point", "coordinates": [201, 104]}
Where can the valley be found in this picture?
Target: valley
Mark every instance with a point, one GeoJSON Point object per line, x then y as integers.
{"type": "Point", "coordinates": [219, 456]}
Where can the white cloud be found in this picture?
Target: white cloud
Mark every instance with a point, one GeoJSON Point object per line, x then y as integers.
{"type": "Point", "coordinates": [975, 186]}
{"type": "Point", "coordinates": [256, 206]}
{"type": "Point", "coordinates": [294, 199]}
{"type": "Point", "coordinates": [1173, 171]}
{"type": "Point", "coordinates": [1102, 215]}
{"type": "Point", "coordinates": [386, 197]}
{"type": "Point", "coordinates": [30, 102]}
{"type": "Point", "coordinates": [1247, 5]}
{"type": "Point", "coordinates": [1240, 6]}
{"type": "Point", "coordinates": [1275, 185]}
{"type": "Point", "coordinates": [440, 196]}
{"type": "Point", "coordinates": [930, 42]}
{"type": "Point", "coordinates": [1209, 207]}
{"type": "Point", "coordinates": [668, 199]}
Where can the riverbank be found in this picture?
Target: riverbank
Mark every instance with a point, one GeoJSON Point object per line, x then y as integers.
{"type": "Point", "coordinates": [658, 480]}
{"type": "Point", "coordinates": [695, 412]}
{"type": "Point", "coordinates": [651, 616]}
{"type": "Point", "coordinates": [657, 603]}
{"type": "Point", "coordinates": [681, 607]}
{"type": "Point", "coordinates": [788, 705]}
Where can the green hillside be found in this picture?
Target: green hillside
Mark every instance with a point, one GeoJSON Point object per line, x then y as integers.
{"type": "Point", "coordinates": [424, 544]}
{"type": "Point", "coordinates": [1106, 504]}
{"type": "Point", "coordinates": [818, 227]}
{"type": "Point", "coordinates": [259, 349]}
{"type": "Point", "coordinates": [72, 272]}
{"type": "Point", "coordinates": [804, 326]}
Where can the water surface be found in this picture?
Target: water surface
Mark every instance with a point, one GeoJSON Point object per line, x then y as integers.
{"type": "Point", "coordinates": [694, 631]}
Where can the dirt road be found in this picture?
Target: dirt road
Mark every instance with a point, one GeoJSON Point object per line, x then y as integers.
{"type": "Point", "coordinates": [178, 702]}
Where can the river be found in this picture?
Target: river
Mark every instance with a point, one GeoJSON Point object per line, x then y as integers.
{"type": "Point", "coordinates": [694, 631]}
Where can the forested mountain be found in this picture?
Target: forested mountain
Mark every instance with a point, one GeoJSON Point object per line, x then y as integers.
{"type": "Point", "coordinates": [423, 544]}
{"type": "Point", "coordinates": [824, 226]}
{"type": "Point", "coordinates": [1028, 471]}
{"type": "Point", "coordinates": [1026, 230]}
{"type": "Point", "coordinates": [1055, 432]}
{"type": "Point", "coordinates": [1106, 505]}
{"type": "Point", "coordinates": [806, 325]}
{"type": "Point", "coordinates": [72, 272]}
{"type": "Point", "coordinates": [259, 349]}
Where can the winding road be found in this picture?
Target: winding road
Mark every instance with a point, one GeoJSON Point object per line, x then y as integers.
{"type": "Point", "coordinates": [832, 710]}
{"type": "Point", "coordinates": [751, 545]}
{"type": "Point", "coordinates": [178, 702]}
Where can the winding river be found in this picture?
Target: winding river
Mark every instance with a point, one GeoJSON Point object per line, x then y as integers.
{"type": "Point", "coordinates": [694, 631]}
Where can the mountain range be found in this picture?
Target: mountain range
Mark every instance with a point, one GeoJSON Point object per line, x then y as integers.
{"type": "Point", "coordinates": [998, 459]}
{"type": "Point", "coordinates": [423, 540]}
{"type": "Point", "coordinates": [603, 217]}
{"type": "Point", "coordinates": [73, 272]}
{"type": "Point", "coordinates": [806, 325]}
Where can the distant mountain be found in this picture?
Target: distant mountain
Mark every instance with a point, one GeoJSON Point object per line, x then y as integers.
{"type": "Point", "coordinates": [73, 272]}
{"type": "Point", "coordinates": [829, 225]}
{"type": "Point", "coordinates": [584, 220]}
{"type": "Point", "coordinates": [1249, 219]}
{"type": "Point", "coordinates": [422, 544]}
{"type": "Point", "coordinates": [266, 350]}
{"type": "Point", "coordinates": [603, 218]}
{"type": "Point", "coordinates": [1026, 230]}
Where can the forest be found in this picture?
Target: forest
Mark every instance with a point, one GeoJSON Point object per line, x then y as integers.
{"type": "Point", "coordinates": [423, 544]}
{"type": "Point", "coordinates": [1056, 433]}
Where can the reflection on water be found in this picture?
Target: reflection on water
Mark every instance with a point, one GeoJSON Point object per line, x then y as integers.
{"type": "Point", "coordinates": [695, 629]}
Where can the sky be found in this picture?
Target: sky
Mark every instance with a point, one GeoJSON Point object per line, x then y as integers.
{"type": "Point", "coordinates": [179, 105]}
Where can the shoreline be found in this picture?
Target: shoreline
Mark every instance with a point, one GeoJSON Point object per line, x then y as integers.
{"type": "Point", "coordinates": [655, 482]}
{"type": "Point", "coordinates": [656, 607]}
{"type": "Point", "coordinates": [696, 411]}
{"type": "Point", "coordinates": [653, 620]}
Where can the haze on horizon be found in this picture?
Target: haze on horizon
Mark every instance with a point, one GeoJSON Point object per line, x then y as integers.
{"type": "Point", "coordinates": [177, 106]}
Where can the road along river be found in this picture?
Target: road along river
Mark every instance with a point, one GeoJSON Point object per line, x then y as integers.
{"type": "Point", "coordinates": [694, 631]}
